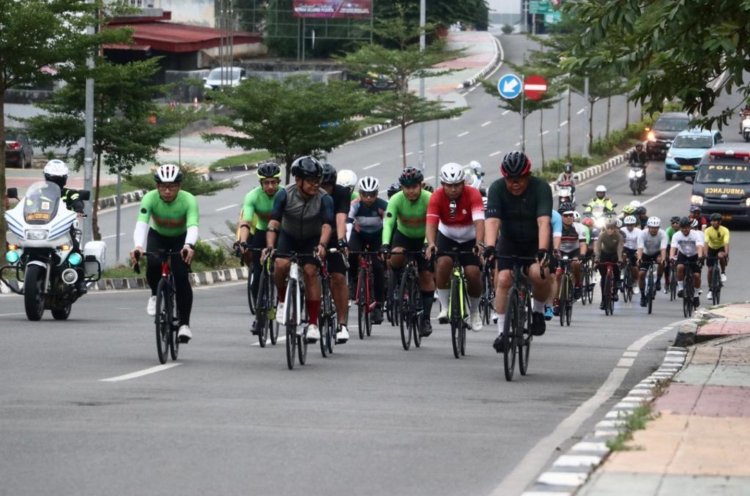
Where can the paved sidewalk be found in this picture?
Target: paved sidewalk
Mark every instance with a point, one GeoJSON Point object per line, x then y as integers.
{"type": "Point", "coordinates": [699, 440]}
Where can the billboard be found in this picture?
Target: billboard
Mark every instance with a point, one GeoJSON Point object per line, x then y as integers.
{"type": "Point", "coordinates": [332, 9]}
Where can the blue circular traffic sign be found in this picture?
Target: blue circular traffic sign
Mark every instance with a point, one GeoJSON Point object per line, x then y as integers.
{"type": "Point", "coordinates": [509, 86]}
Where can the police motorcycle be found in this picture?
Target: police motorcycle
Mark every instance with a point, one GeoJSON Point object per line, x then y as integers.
{"type": "Point", "coordinates": [599, 214]}
{"type": "Point", "coordinates": [637, 177]}
{"type": "Point", "coordinates": [44, 252]}
{"type": "Point", "coordinates": [565, 193]}
{"type": "Point", "coordinates": [746, 127]}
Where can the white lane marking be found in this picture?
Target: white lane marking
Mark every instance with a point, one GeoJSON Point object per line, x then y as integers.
{"type": "Point", "coordinates": [662, 193]}
{"type": "Point", "coordinates": [233, 205]}
{"type": "Point", "coordinates": [11, 314]}
{"type": "Point", "coordinates": [244, 174]}
{"type": "Point", "coordinates": [461, 135]}
{"type": "Point", "coordinates": [505, 112]}
{"type": "Point", "coordinates": [279, 339]}
{"type": "Point", "coordinates": [411, 153]}
{"type": "Point", "coordinates": [544, 132]}
{"type": "Point", "coordinates": [113, 235]}
{"type": "Point", "coordinates": [428, 178]}
{"type": "Point", "coordinates": [371, 166]}
{"type": "Point", "coordinates": [581, 111]}
{"type": "Point", "coordinates": [493, 154]}
{"type": "Point", "coordinates": [518, 143]}
{"type": "Point", "coordinates": [563, 123]}
{"type": "Point", "coordinates": [536, 458]}
{"type": "Point", "coordinates": [433, 145]}
{"type": "Point", "coordinates": [141, 373]}
{"type": "Point", "coordinates": [485, 124]}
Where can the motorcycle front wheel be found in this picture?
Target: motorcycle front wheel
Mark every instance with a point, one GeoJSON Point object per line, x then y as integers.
{"type": "Point", "coordinates": [33, 293]}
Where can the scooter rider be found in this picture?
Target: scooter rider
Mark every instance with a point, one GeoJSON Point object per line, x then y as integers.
{"type": "Point", "coordinates": [567, 177]}
{"type": "Point", "coordinates": [638, 158]}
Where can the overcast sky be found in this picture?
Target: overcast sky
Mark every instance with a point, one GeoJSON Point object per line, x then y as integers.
{"type": "Point", "coordinates": [505, 6]}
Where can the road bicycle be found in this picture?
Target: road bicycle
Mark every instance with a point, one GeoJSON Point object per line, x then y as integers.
{"type": "Point", "coordinates": [649, 291]}
{"type": "Point", "coordinates": [328, 322]}
{"type": "Point", "coordinates": [588, 277]}
{"type": "Point", "coordinates": [672, 286]}
{"type": "Point", "coordinates": [364, 293]}
{"type": "Point", "coordinates": [688, 291]}
{"type": "Point", "coordinates": [265, 304]}
{"type": "Point", "coordinates": [517, 335]}
{"type": "Point", "coordinates": [566, 291]}
{"type": "Point", "coordinates": [627, 281]}
{"type": "Point", "coordinates": [296, 312]}
{"type": "Point", "coordinates": [715, 284]}
{"type": "Point", "coordinates": [409, 300]}
{"type": "Point", "coordinates": [487, 300]}
{"type": "Point", "coordinates": [610, 288]}
{"type": "Point", "coordinates": [167, 318]}
{"type": "Point", "coordinates": [458, 302]}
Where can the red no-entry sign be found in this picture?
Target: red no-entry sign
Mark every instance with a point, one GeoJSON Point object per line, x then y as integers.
{"type": "Point", "coordinates": [534, 87]}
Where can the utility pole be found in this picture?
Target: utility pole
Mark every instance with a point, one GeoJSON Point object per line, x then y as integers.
{"type": "Point", "coordinates": [422, 46]}
{"type": "Point", "coordinates": [88, 153]}
{"type": "Point", "coordinates": [585, 153]}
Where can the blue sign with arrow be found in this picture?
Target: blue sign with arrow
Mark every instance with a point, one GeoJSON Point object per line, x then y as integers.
{"type": "Point", "coordinates": [509, 86]}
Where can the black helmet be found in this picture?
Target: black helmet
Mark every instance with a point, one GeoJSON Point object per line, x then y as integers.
{"type": "Point", "coordinates": [684, 222]}
{"type": "Point", "coordinates": [568, 167]}
{"type": "Point", "coordinates": [393, 189]}
{"type": "Point", "coordinates": [411, 176]}
{"type": "Point", "coordinates": [715, 216]}
{"type": "Point", "coordinates": [307, 167]}
{"type": "Point", "coordinates": [695, 209]}
{"type": "Point", "coordinates": [269, 170]}
{"type": "Point", "coordinates": [640, 210]}
{"type": "Point", "coordinates": [566, 207]}
{"type": "Point", "coordinates": [515, 164]}
{"type": "Point", "coordinates": [329, 174]}
{"type": "Point", "coordinates": [639, 145]}
{"type": "Point", "coordinates": [674, 219]}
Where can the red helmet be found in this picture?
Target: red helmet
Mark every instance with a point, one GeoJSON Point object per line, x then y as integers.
{"type": "Point", "coordinates": [515, 164]}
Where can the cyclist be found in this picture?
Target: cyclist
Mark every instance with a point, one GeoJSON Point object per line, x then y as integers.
{"type": "Point", "coordinates": [474, 175]}
{"type": "Point", "coordinates": [600, 200]}
{"type": "Point", "coordinates": [518, 208]}
{"type": "Point", "coordinates": [404, 230]}
{"type": "Point", "coordinates": [393, 189]}
{"type": "Point", "coordinates": [687, 247]}
{"type": "Point", "coordinates": [301, 221]}
{"type": "Point", "coordinates": [652, 248]}
{"type": "Point", "coordinates": [609, 248]}
{"type": "Point", "coordinates": [256, 212]}
{"type": "Point", "coordinates": [455, 221]}
{"type": "Point", "coordinates": [342, 197]}
{"type": "Point", "coordinates": [701, 222]}
{"type": "Point", "coordinates": [365, 225]}
{"type": "Point", "coordinates": [556, 224]}
{"type": "Point", "coordinates": [674, 226]}
{"type": "Point", "coordinates": [348, 179]}
{"type": "Point", "coordinates": [717, 244]}
{"type": "Point", "coordinates": [630, 235]}
{"type": "Point", "coordinates": [572, 245]}
{"type": "Point", "coordinates": [168, 220]}
{"type": "Point", "coordinates": [641, 216]}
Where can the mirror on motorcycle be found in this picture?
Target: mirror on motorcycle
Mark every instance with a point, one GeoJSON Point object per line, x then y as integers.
{"type": "Point", "coordinates": [84, 194]}
{"type": "Point", "coordinates": [12, 193]}
{"type": "Point", "coordinates": [689, 179]}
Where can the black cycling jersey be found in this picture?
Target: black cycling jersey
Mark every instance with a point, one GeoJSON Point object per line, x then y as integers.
{"type": "Point", "coordinates": [519, 214]}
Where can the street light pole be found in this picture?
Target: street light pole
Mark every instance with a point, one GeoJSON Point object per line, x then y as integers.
{"type": "Point", "coordinates": [422, 46]}
{"type": "Point", "coordinates": [88, 160]}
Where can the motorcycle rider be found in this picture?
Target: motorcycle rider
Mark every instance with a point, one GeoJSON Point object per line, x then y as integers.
{"type": "Point", "coordinates": [637, 159]}
{"type": "Point", "coordinates": [567, 178]}
{"type": "Point", "coordinates": [600, 199]}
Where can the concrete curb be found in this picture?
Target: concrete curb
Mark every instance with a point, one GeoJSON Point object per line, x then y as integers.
{"type": "Point", "coordinates": [595, 170]}
{"type": "Point", "coordinates": [488, 69]}
{"type": "Point", "coordinates": [571, 470]}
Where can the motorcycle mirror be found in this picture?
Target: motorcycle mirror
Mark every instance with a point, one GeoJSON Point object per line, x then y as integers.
{"type": "Point", "coordinates": [84, 194]}
{"type": "Point", "coordinates": [12, 193]}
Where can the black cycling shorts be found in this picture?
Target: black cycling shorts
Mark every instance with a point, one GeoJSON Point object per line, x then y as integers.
{"type": "Point", "coordinates": [507, 249]}
{"type": "Point", "coordinates": [693, 261]}
{"type": "Point", "coordinates": [412, 244]}
{"type": "Point", "coordinates": [303, 247]}
{"type": "Point", "coordinates": [445, 244]}
{"type": "Point", "coordinates": [712, 254]}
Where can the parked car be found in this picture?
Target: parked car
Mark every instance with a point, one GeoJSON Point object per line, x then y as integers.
{"type": "Point", "coordinates": [224, 77]}
{"type": "Point", "coordinates": [659, 137]}
{"type": "Point", "coordinates": [378, 82]}
{"type": "Point", "coordinates": [686, 151]}
{"type": "Point", "coordinates": [722, 183]}
{"type": "Point", "coordinates": [18, 150]}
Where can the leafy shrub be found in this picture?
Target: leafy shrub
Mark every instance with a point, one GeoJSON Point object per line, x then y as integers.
{"type": "Point", "coordinates": [192, 182]}
{"type": "Point", "coordinates": [209, 256]}
{"type": "Point", "coordinates": [507, 29]}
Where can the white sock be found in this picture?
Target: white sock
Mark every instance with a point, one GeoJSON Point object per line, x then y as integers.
{"type": "Point", "coordinates": [473, 304]}
{"type": "Point", "coordinates": [537, 306]}
{"type": "Point", "coordinates": [442, 295]}
{"type": "Point", "coordinates": [500, 323]}
{"type": "Point", "coordinates": [680, 284]}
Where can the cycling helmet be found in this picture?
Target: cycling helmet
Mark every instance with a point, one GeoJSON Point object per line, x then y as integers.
{"type": "Point", "coordinates": [618, 223]}
{"type": "Point", "coordinates": [566, 207]}
{"type": "Point", "coordinates": [588, 222]}
{"type": "Point", "coordinates": [694, 224]}
{"type": "Point", "coordinates": [640, 211]}
{"type": "Point", "coordinates": [568, 167]}
{"type": "Point", "coordinates": [628, 210]}
{"type": "Point", "coordinates": [684, 222]}
{"type": "Point", "coordinates": [674, 220]}
{"type": "Point", "coordinates": [269, 170]}
{"type": "Point", "coordinates": [653, 222]}
{"type": "Point", "coordinates": [329, 174]}
{"type": "Point", "coordinates": [601, 189]}
{"type": "Point", "coordinates": [347, 178]}
{"type": "Point", "coordinates": [411, 176]}
{"type": "Point", "coordinates": [393, 189]}
{"type": "Point", "coordinates": [472, 177]}
{"type": "Point", "coordinates": [56, 172]}
{"type": "Point", "coordinates": [307, 167]}
{"type": "Point", "coordinates": [629, 220]}
{"type": "Point", "coordinates": [475, 166]}
{"type": "Point", "coordinates": [695, 209]}
{"type": "Point", "coordinates": [168, 173]}
{"type": "Point", "coordinates": [428, 187]}
{"type": "Point", "coordinates": [451, 173]}
{"type": "Point", "coordinates": [369, 184]}
{"type": "Point", "coordinates": [715, 217]}
{"type": "Point", "coordinates": [635, 204]}
{"type": "Point", "coordinates": [515, 164]}
{"type": "Point", "coordinates": [576, 215]}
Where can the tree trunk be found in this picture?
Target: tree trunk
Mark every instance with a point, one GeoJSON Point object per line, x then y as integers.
{"type": "Point", "coordinates": [569, 123]}
{"type": "Point", "coordinates": [95, 234]}
{"type": "Point", "coordinates": [627, 111]}
{"type": "Point", "coordinates": [3, 186]}
{"type": "Point", "coordinates": [591, 123]}
{"type": "Point", "coordinates": [609, 113]}
{"type": "Point", "coordinates": [403, 145]}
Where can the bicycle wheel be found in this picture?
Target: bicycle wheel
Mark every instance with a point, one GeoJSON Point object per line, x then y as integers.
{"type": "Point", "coordinates": [405, 314]}
{"type": "Point", "coordinates": [324, 319]}
{"type": "Point", "coordinates": [456, 320]}
{"type": "Point", "coordinates": [510, 327]}
{"type": "Point", "coordinates": [302, 347]}
{"type": "Point", "coordinates": [568, 312]}
{"type": "Point", "coordinates": [627, 284]}
{"type": "Point", "coordinates": [563, 297]}
{"type": "Point", "coordinates": [361, 304]}
{"type": "Point", "coordinates": [607, 294]}
{"type": "Point", "coordinates": [162, 320]}
{"type": "Point", "coordinates": [687, 298]}
{"type": "Point", "coordinates": [716, 286]}
{"type": "Point", "coordinates": [261, 314]}
{"type": "Point", "coordinates": [272, 326]}
{"type": "Point", "coordinates": [250, 300]}
{"type": "Point", "coordinates": [673, 284]}
{"type": "Point", "coordinates": [650, 291]}
{"type": "Point", "coordinates": [591, 286]}
{"type": "Point", "coordinates": [369, 298]}
{"type": "Point", "coordinates": [417, 317]}
{"type": "Point", "coordinates": [525, 337]}
{"type": "Point", "coordinates": [586, 278]}
{"type": "Point", "coordinates": [174, 341]}
{"type": "Point", "coordinates": [291, 324]}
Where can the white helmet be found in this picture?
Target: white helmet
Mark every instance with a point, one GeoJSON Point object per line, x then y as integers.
{"type": "Point", "coordinates": [472, 177]}
{"type": "Point", "coordinates": [576, 216]}
{"type": "Point", "coordinates": [56, 167]}
{"type": "Point", "coordinates": [452, 173]}
{"type": "Point", "coordinates": [653, 222]}
{"type": "Point", "coordinates": [629, 220]}
{"type": "Point", "coordinates": [619, 223]}
{"type": "Point", "coordinates": [369, 184]}
{"type": "Point", "coordinates": [347, 178]}
{"type": "Point", "coordinates": [168, 173]}
{"type": "Point", "coordinates": [635, 204]}
{"type": "Point", "coordinates": [475, 166]}
{"type": "Point", "coordinates": [601, 189]}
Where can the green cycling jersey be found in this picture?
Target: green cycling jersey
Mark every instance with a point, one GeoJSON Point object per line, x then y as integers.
{"type": "Point", "coordinates": [256, 209]}
{"type": "Point", "coordinates": [169, 219]}
{"type": "Point", "coordinates": [408, 217]}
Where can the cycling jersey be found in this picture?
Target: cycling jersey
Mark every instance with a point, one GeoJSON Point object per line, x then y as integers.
{"type": "Point", "coordinates": [572, 236]}
{"type": "Point", "coordinates": [257, 207]}
{"type": "Point", "coordinates": [687, 245]}
{"type": "Point", "coordinates": [409, 217]}
{"type": "Point", "coordinates": [716, 238]}
{"type": "Point", "coordinates": [670, 232]}
{"type": "Point", "coordinates": [609, 245]}
{"type": "Point", "coordinates": [455, 218]}
{"type": "Point", "coordinates": [341, 199]}
{"type": "Point", "coordinates": [519, 214]}
{"type": "Point", "coordinates": [302, 218]}
{"type": "Point", "coordinates": [557, 224]}
{"type": "Point", "coordinates": [652, 245]}
{"type": "Point", "coordinates": [169, 219]}
{"type": "Point", "coordinates": [631, 237]}
{"type": "Point", "coordinates": [367, 220]}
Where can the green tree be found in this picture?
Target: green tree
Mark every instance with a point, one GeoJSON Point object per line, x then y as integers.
{"type": "Point", "coordinates": [125, 133]}
{"type": "Point", "coordinates": [292, 117]}
{"type": "Point", "coordinates": [692, 51]}
{"type": "Point", "coordinates": [36, 34]}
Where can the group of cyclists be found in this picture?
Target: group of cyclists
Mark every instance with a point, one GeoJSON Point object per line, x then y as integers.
{"type": "Point", "coordinates": [329, 217]}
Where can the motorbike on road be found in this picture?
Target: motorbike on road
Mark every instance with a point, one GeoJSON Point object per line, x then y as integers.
{"type": "Point", "coordinates": [637, 178]}
{"type": "Point", "coordinates": [746, 128]}
{"type": "Point", "coordinates": [44, 255]}
{"type": "Point", "coordinates": [565, 193]}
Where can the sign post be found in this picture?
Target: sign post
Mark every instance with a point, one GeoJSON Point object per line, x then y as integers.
{"type": "Point", "coordinates": [534, 87]}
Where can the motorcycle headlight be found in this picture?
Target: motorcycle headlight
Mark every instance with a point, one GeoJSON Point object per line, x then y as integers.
{"type": "Point", "coordinates": [696, 200]}
{"type": "Point", "coordinates": [670, 154]}
{"type": "Point", "coordinates": [75, 259]}
{"type": "Point", "coordinates": [12, 257]}
{"type": "Point", "coordinates": [37, 234]}
{"type": "Point", "coordinates": [639, 174]}
{"type": "Point", "coordinates": [651, 136]}
{"type": "Point", "coordinates": [747, 202]}
{"type": "Point", "coordinates": [631, 174]}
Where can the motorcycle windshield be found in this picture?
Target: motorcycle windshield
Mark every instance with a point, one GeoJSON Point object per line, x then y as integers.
{"type": "Point", "coordinates": [597, 210]}
{"type": "Point", "coordinates": [41, 202]}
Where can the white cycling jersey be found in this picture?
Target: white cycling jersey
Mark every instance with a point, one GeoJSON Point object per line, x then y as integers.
{"type": "Point", "coordinates": [687, 245]}
{"type": "Point", "coordinates": [630, 237]}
